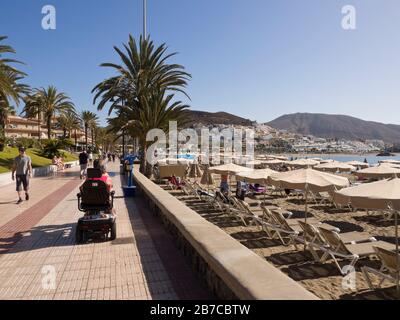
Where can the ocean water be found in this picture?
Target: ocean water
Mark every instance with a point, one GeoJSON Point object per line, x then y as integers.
{"type": "Point", "coordinates": [372, 159]}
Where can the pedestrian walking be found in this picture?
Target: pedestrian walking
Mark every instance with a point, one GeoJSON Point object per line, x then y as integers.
{"type": "Point", "coordinates": [21, 172]}
{"type": "Point", "coordinates": [83, 162]}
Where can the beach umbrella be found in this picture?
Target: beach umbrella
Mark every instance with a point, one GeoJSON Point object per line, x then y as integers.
{"type": "Point", "coordinates": [184, 161]}
{"type": "Point", "coordinates": [229, 169]}
{"type": "Point", "coordinates": [389, 164]}
{"type": "Point", "coordinates": [326, 160]}
{"type": "Point", "coordinates": [195, 171]}
{"type": "Point", "coordinates": [272, 157]}
{"type": "Point", "coordinates": [254, 163]}
{"type": "Point", "coordinates": [358, 164]}
{"type": "Point", "coordinates": [302, 163]}
{"type": "Point", "coordinates": [390, 161]}
{"type": "Point", "coordinates": [273, 162]}
{"type": "Point", "coordinates": [335, 166]}
{"type": "Point", "coordinates": [380, 195]}
{"type": "Point", "coordinates": [167, 161]}
{"type": "Point", "coordinates": [378, 172]}
{"type": "Point", "coordinates": [308, 180]}
{"type": "Point", "coordinates": [257, 176]}
{"type": "Point", "coordinates": [207, 177]}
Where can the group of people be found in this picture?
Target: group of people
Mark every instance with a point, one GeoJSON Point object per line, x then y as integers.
{"type": "Point", "coordinates": [59, 162]}
{"type": "Point", "coordinates": [22, 170]}
{"type": "Point", "coordinates": [86, 159]}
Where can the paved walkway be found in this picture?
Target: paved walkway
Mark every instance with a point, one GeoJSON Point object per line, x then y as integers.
{"type": "Point", "coordinates": [39, 258]}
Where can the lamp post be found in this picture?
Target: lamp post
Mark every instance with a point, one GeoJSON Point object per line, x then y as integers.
{"type": "Point", "coordinates": [145, 19]}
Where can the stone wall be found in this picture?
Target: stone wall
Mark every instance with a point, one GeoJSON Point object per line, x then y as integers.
{"type": "Point", "coordinates": [230, 270]}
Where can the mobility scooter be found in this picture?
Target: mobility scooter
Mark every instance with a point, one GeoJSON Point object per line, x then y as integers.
{"type": "Point", "coordinates": [97, 202]}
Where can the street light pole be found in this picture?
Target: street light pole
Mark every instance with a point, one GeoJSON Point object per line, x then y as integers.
{"type": "Point", "coordinates": [145, 19]}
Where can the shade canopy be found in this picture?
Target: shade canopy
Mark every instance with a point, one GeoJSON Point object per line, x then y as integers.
{"type": "Point", "coordinates": [229, 168]}
{"type": "Point", "coordinates": [256, 176]}
{"type": "Point", "coordinates": [374, 196]}
{"type": "Point", "coordinates": [358, 164]}
{"type": "Point", "coordinates": [389, 164]}
{"type": "Point", "coordinates": [273, 162]}
{"type": "Point", "coordinates": [174, 161]}
{"type": "Point", "coordinates": [195, 171]}
{"type": "Point", "coordinates": [378, 172]}
{"type": "Point", "coordinates": [326, 160]}
{"type": "Point", "coordinates": [335, 166]}
{"type": "Point", "coordinates": [302, 163]}
{"type": "Point", "coordinates": [207, 177]}
{"type": "Point", "coordinates": [309, 179]}
{"type": "Point", "coordinates": [254, 163]}
{"type": "Point", "coordinates": [390, 161]}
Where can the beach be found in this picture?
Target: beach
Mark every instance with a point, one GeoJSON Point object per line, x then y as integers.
{"type": "Point", "coordinates": [322, 279]}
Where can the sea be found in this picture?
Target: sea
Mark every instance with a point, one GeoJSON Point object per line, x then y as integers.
{"type": "Point", "coordinates": [371, 158]}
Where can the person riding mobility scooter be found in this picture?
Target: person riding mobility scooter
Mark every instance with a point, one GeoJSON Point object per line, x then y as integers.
{"type": "Point", "coordinates": [96, 201]}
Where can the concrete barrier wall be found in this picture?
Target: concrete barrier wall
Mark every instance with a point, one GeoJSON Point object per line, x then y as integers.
{"type": "Point", "coordinates": [5, 178]}
{"type": "Point", "coordinates": [231, 270]}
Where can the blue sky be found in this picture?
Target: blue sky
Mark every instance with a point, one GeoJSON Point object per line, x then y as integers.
{"type": "Point", "coordinates": [255, 58]}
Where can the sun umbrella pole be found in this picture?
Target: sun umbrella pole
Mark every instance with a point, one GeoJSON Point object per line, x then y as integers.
{"type": "Point", "coordinates": [397, 254]}
{"type": "Point", "coordinates": [306, 208]}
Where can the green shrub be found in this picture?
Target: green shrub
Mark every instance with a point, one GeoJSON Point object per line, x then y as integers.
{"type": "Point", "coordinates": [25, 142]}
{"type": "Point", "coordinates": [51, 148]}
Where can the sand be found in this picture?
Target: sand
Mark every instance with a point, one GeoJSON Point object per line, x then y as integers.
{"type": "Point", "coordinates": [322, 279]}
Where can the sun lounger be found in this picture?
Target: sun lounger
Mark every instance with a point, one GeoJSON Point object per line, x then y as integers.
{"type": "Point", "coordinates": [190, 190]}
{"type": "Point", "coordinates": [250, 213]}
{"type": "Point", "coordinates": [336, 248]}
{"type": "Point", "coordinates": [284, 230]}
{"type": "Point", "coordinates": [277, 191]}
{"type": "Point", "coordinates": [388, 270]}
{"type": "Point", "coordinates": [313, 240]}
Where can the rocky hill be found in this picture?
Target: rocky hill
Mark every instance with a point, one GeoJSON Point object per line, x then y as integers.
{"type": "Point", "coordinates": [336, 126]}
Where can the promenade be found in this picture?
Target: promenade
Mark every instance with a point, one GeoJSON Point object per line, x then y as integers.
{"type": "Point", "coordinates": [40, 260]}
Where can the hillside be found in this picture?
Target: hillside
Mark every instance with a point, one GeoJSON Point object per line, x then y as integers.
{"type": "Point", "coordinates": [208, 118]}
{"type": "Point", "coordinates": [336, 126]}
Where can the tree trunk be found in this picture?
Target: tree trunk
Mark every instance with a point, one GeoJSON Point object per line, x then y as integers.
{"type": "Point", "coordinates": [49, 127]}
{"type": "Point", "coordinates": [76, 141]}
{"type": "Point", "coordinates": [142, 167]}
{"type": "Point", "coordinates": [86, 135]}
{"type": "Point", "coordinates": [39, 124]}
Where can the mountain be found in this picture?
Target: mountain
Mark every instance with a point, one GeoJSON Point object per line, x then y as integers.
{"type": "Point", "coordinates": [336, 126]}
{"type": "Point", "coordinates": [208, 118]}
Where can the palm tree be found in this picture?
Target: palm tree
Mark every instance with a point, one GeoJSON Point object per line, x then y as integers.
{"type": "Point", "coordinates": [154, 113]}
{"type": "Point", "coordinates": [68, 122]}
{"type": "Point", "coordinates": [87, 119]}
{"type": "Point", "coordinates": [5, 104]}
{"type": "Point", "coordinates": [105, 138]}
{"type": "Point", "coordinates": [10, 88]}
{"type": "Point", "coordinates": [94, 125]}
{"type": "Point", "coordinates": [8, 74]}
{"type": "Point", "coordinates": [50, 103]}
{"type": "Point", "coordinates": [141, 87]}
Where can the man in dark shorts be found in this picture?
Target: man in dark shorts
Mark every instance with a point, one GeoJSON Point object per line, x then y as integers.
{"type": "Point", "coordinates": [21, 172]}
{"type": "Point", "coordinates": [83, 162]}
